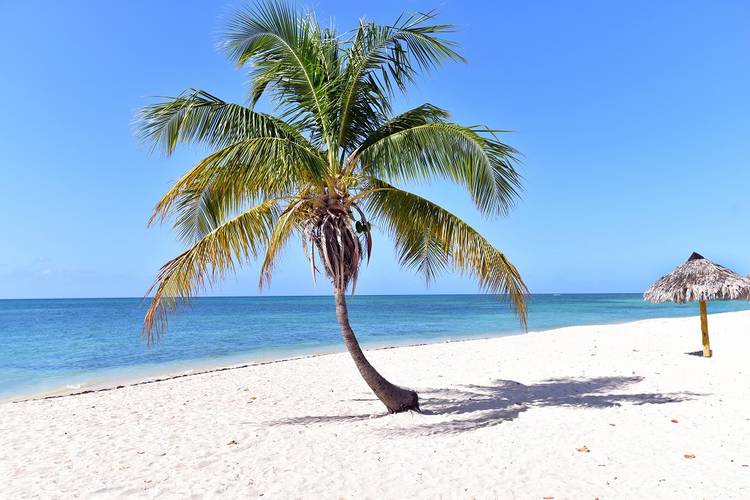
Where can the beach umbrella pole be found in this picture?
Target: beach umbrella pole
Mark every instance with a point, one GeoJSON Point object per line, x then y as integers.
{"type": "Point", "coordinates": [704, 330]}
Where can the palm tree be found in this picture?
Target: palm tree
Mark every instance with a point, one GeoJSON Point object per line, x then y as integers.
{"type": "Point", "coordinates": [325, 164]}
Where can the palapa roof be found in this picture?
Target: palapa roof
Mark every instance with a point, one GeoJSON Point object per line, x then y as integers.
{"type": "Point", "coordinates": [699, 279]}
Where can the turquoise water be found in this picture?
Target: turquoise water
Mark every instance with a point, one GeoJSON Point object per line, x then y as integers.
{"type": "Point", "coordinates": [52, 344]}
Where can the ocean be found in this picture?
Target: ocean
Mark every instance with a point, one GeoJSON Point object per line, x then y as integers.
{"type": "Point", "coordinates": [57, 344]}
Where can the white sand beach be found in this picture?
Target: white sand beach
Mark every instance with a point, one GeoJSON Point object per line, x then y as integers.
{"type": "Point", "coordinates": [602, 412]}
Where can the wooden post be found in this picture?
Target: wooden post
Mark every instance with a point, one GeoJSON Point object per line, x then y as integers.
{"type": "Point", "coordinates": [704, 330]}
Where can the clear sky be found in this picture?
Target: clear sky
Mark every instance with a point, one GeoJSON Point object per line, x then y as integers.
{"type": "Point", "coordinates": [633, 116]}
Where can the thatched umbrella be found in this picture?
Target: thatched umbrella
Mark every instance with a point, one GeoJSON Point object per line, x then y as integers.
{"type": "Point", "coordinates": [702, 280]}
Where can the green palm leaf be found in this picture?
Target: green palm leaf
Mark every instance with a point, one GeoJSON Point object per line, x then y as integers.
{"type": "Point", "coordinates": [197, 116]}
{"type": "Point", "coordinates": [208, 260]}
{"type": "Point", "coordinates": [380, 59]}
{"type": "Point", "coordinates": [290, 221]}
{"type": "Point", "coordinates": [404, 152]}
{"type": "Point", "coordinates": [292, 55]}
{"type": "Point", "coordinates": [239, 174]}
{"type": "Point", "coordinates": [430, 239]}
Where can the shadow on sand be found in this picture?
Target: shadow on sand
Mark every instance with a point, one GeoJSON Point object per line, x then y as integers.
{"type": "Point", "coordinates": [474, 407]}
{"type": "Point", "coordinates": [695, 353]}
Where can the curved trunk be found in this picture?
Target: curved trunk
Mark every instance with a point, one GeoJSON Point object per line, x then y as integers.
{"type": "Point", "coordinates": [395, 398]}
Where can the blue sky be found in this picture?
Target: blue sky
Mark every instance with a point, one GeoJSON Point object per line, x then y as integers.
{"type": "Point", "coordinates": [632, 116]}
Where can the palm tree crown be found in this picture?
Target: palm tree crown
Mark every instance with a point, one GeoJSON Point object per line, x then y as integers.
{"type": "Point", "coordinates": [326, 164]}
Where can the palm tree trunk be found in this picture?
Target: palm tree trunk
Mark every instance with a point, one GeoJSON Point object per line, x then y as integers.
{"type": "Point", "coordinates": [395, 398]}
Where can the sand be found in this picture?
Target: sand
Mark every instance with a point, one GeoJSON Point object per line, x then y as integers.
{"type": "Point", "coordinates": [618, 411]}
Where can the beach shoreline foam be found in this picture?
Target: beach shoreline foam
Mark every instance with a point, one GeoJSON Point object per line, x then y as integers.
{"type": "Point", "coordinates": [614, 411]}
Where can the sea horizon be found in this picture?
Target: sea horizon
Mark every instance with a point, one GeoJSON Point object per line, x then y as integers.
{"type": "Point", "coordinates": [75, 344]}
{"type": "Point", "coordinates": [269, 295]}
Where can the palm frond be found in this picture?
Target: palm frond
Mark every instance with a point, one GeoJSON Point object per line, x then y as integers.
{"type": "Point", "coordinates": [197, 116]}
{"type": "Point", "coordinates": [421, 145]}
{"type": "Point", "coordinates": [207, 261]}
{"type": "Point", "coordinates": [421, 115]}
{"type": "Point", "coordinates": [290, 220]}
{"type": "Point", "coordinates": [381, 59]}
{"type": "Point", "coordinates": [239, 174]}
{"type": "Point", "coordinates": [291, 54]}
{"type": "Point", "coordinates": [198, 212]}
{"type": "Point", "coordinates": [430, 239]}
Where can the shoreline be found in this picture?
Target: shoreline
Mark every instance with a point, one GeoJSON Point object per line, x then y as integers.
{"type": "Point", "coordinates": [196, 367]}
{"type": "Point", "coordinates": [190, 372]}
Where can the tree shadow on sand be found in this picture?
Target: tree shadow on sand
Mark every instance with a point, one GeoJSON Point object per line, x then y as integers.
{"type": "Point", "coordinates": [474, 407]}
{"type": "Point", "coordinates": [471, 407]}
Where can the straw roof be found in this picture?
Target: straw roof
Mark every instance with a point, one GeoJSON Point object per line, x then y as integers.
{"type": "Point", "coordinates": [699, 279]}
